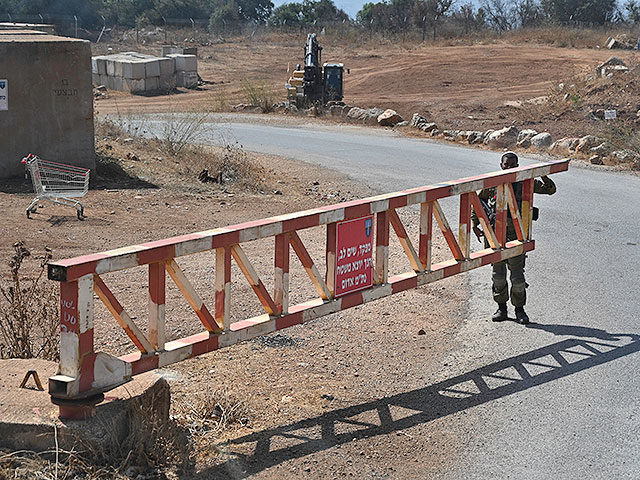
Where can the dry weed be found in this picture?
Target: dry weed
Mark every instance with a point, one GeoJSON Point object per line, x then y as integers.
{"type": "Point", "coordinates": [210, 412]}
{"type": "Point", "coordinates": [29, 321]}
{"type": "Point", "coordinates": [260, 95]}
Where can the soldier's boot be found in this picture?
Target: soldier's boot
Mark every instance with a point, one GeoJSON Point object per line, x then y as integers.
{"type": "Point", "coordinates": [501, 313]}
{"type": "Point", "coordinates": [521, 316]}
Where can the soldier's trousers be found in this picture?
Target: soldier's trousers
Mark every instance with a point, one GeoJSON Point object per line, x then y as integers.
{"type": "Point", "coordinates": [518, 285]}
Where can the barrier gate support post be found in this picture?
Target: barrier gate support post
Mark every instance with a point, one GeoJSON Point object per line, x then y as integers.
{"type": "Point", "coordinates": [353, 276]}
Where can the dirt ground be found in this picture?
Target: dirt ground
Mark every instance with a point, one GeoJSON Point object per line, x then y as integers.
{"type": "Point", "coordinates": [469, 87]}
{"type": "Point", "coordinates": [338, 397]}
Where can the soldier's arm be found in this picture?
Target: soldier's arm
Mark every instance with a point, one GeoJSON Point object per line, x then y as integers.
{"type": "Point", "coordinates": [544, 186]}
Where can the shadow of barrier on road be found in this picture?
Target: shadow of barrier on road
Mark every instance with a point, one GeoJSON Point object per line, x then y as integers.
{"type": "Point", "coordinates": [399, 412]}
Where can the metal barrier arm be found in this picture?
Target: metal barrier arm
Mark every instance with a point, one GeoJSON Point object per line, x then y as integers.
{"type": "Point", "coordinates": [83, 372]}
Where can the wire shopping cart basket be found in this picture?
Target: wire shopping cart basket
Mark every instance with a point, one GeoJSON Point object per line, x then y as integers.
{"type": "Point", "coordinates": [57, 183]}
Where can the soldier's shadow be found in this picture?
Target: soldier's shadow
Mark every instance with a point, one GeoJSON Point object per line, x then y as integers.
{"type": "Point", "coordinates": [575, 331]}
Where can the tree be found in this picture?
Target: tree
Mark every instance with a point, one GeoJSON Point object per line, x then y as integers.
{"type": "Point", "coordinates": [429, 12]}
{"type": "Point", "coordinates": [587, 11]}
{"type": "Point", "coordinates": [287, 14]}
{"type": "Point", "coordinates": [469, 18]}
{"type": "Point", "coordinates": [527, 13]}
{"type": "Point", "coordinates": [632, 11]}
{"type": "Point", "coordinates": [498, 14]}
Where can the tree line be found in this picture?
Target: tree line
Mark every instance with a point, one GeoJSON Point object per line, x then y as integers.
{"type": "Point", "coordinates": [385, 15]}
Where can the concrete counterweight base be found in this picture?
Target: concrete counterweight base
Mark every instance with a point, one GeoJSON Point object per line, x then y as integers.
{"type": "Point", "coordinates": [29, 420]}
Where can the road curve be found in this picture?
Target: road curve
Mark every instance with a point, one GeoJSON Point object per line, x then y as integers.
{"type": "Point", "coordinates": [557, 399]}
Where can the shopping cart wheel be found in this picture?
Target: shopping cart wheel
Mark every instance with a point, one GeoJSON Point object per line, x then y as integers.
{"type": "Point", "coordinates": [81, 213]}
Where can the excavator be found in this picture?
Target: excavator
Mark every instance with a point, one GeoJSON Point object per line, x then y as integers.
{"type": "Point", "coordinates": [316, 83]}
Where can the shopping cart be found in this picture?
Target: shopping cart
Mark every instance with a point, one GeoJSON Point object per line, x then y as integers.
{"type": "Point", "coordinates": [56, 182]}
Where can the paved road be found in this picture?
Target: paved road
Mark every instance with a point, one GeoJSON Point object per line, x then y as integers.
{"type": "Point", "coordinates": [559, 399]}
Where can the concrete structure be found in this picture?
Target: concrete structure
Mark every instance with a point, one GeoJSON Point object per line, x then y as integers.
{"type": "Point", "coordinates": [139, 73]}
{"type": "Point", "coordinates": [41, 27]}
{"type": "Point", "coordinates": [27, 416]}
{"type": "Point", "coordinates": [46, 101]}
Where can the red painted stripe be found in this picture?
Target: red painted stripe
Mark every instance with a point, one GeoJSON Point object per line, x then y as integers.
{"type": "Point", "coordinates": [399, 285]}
{"type": "Point", "coordinates": [398, 202]}
{"type": "Point", "coordinates": [351, 300]}
{"type": "Point", "coordinates": [289, 320]}
{"type": "Point", "coordinates": [300, 223]}
{"type": "Point", "coordinates": [154, 255]}
{"type": "Point", "coordinates": [357, 211]}
{"type": "Point", "coordinates": [562, 166]}
{"type": "Point", "coordinates": [438, 192]}
{"type": "Point", "coordinates": [87, 373]}
{"type": "Point", "coordinates": [141, 364]}
{"type": "Point", "coordinates": [452, 270]}
{"type": "Point", "coordinates": [85, 342]}
{"type": "Point", "coordinates": [500, 179]}
{"type": "Point", "coordinates": [204, 343]}
{"type": "Point", "coordinates": [76, 271]}
{"type": "Point", "coordinates": [225, 239]}
{"type": "Point", "coordinates": [157, 283]}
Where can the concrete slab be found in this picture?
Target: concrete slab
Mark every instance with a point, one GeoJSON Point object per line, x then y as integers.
{"type": "Point", "coordinates": [167, 82]}
{"type": "Point", "coordinates": [151, 68]}
{"type": "Point", "coordinates": [187, 79]}
{"type": "Point", "coordinates": [167, 66]}
{"type": "Point", "coordinates": [133, 69]}
{"type": "Point", "coordinates": [28, 419]}
{"type": "Point", "coordinates": [151, 84]}
{"type": "Point", "coordinates": [186, 63]}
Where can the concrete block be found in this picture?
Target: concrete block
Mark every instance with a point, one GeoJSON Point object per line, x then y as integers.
{"type": "Point", "coordinates": [134, 85]}
{"type": "Point", "coordinates": [103, 80]}
{"type": "Point", "coordinates": [186, 63]}
{"type": "Point", "coordinates": [99, 65]}
{"type": "Point", "coordinates": [167, 66]}
{"type": "Point", "coordinates": [111, 66]}
{"type": "Point", "coordinates": [187, 79]}
{"type": "Point", "coordinates": [151, 68]}
{"type": "Point", "coordinates": [118, 70]}
{"type": "Point", "coordinates": [119, 84]}
{"type": "Point", "coordinates": [173, 49]}
{"type": "Point", "coordinates": [134, 69]}
{"type": "Point", "coordinates": [95, 78]}
{"type": "Point", "coordinates": [167, 82]}
{"type": "Point", "coordinates": [151, 84]}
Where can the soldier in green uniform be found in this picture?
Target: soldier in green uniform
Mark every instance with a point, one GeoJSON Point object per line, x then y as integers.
{"type": "Point", "coordinates": [515, 264]}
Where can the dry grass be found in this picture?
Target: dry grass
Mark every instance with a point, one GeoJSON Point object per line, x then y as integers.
{"type": "Point", "coordinates": [210, 412]}
{"type": "Point", "coordinates": [260, 94]}
{"type": "Point", "coordinates": [29, 321]}
{"type": "Point", "coordinates": [176, 161]}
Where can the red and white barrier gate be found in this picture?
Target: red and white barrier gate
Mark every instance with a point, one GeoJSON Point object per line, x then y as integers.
{"type": "Point", "coordinates": [352, 278]}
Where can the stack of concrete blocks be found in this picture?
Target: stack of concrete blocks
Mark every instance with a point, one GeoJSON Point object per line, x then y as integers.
{"type": "Point", "coordinates": [186, 69]}
{"type": "Point", "coordinates": [134, 72]}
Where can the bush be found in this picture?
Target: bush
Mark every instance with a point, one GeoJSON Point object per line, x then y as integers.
{"type": "Point", "coordinates": [259, 95]}
{"type": "Point", "coordinates": [29, 319]}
